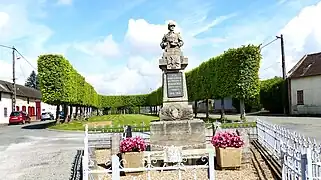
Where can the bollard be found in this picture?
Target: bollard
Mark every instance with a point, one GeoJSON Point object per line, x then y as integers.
{"type": "Point", "coordinates": [129, 131]}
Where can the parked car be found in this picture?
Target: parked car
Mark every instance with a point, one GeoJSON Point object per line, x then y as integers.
{"type": "Point", "coordinates": [61, 115]}
{"type": "Point", "coordinates": [47, 116]}
{"type": "Point", "coordinates": [17, 117]}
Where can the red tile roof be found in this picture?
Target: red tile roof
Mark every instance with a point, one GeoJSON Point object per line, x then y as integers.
{"type": "Point", "coordinates": [309, 65]}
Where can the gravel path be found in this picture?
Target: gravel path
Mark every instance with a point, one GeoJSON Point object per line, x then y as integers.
{"type": "Point", "coordinates": [246, 172]}
{"type": "Point", "coordinates": [37, 154]}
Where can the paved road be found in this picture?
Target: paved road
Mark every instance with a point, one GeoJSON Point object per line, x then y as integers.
{"type": "Point", "coordinates": [37, 154]}
{"type": "Point", "coordinates": [31, 152]}
{"type": "Point", "coordinates": [307, 126]}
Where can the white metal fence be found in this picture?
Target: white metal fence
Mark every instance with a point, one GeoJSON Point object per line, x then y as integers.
{"type": "Point", "coordinates": [177, 168]}
{"type": "Point", "coordinates": [300, 157]}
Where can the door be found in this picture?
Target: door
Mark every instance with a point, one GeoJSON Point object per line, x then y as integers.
{"type": "Point", "coordinates": [38, 110]}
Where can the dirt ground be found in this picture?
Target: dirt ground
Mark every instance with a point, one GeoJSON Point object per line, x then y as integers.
{"type": "Point", "coordinates": [102, 123]}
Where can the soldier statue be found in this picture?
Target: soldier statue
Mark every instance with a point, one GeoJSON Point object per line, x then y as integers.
{"type": "Point", "coordinates": [171, 39]}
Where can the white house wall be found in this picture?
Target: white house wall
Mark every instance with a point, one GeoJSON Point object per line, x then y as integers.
{"type": "Point", "coordinates": [5, 103]}
{"type": "Point", "coordinates": [311, 87]}
{"type": "Point", "coordinates": [48, 108]}
{"type": "Point", "coordinates": [23, 101]}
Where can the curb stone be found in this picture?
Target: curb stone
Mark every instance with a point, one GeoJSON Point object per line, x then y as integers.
{"type": "Point", "coordinates": [58, 130]}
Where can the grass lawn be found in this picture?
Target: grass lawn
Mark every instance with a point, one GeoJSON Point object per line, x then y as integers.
{"type": "Point", "coordinates": [108, 121]}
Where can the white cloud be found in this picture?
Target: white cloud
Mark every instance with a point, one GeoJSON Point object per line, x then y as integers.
{"type": "Point", "coordinates": [208, 26]}
{"type": "Point", "coordinates": [142, 73]}
{"type": "Point", "coordinates": [302, 35]}
{"type": "Point", "coordinates": [27, 36]}
{"type": "Point", "coordinates": [122, 81]}
{"type": "Point", "coordinates": [4, 18]}
{"type": "Point", "coordinates": [106, 47]}
{"type": "Point", "coordinates": [65, 2]}
{"type": "Point", "coordinates": [144, 37]}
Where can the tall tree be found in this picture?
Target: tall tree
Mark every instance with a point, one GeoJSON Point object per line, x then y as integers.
{"type": "Point", "coordinates": [32, 81]}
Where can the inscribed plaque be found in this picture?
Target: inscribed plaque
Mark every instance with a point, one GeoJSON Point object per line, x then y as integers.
{"type": "Point", "coordinates": [174, 84]}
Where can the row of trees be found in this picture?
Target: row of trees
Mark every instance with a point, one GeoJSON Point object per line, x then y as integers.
{"type": "Point", "coordinates": [231, 74]}
{"type": "Point", "coordinates": [61, 84]}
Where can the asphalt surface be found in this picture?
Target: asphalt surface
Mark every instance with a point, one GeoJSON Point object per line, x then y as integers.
{"type": "Point", "coordinates": [307, 126]}
{"type": "Point", "coordinates": [30, 152]}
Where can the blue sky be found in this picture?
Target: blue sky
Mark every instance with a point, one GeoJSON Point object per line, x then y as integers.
{"type": "Point", "coordinates": [115, 44]}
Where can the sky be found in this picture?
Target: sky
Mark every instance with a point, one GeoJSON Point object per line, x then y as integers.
{"type": "Point", "coordinates": [115, 44]}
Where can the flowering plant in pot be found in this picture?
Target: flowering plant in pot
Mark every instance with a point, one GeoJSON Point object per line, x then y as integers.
{"type": "Point", "coordinates": [132, 151]}
{"type": "Point", "coordinates": [228, 147]}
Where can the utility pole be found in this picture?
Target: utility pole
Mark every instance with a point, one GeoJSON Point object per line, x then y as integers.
{"type": "Point", "coordinates": [283, 57]}
{"type": "Point", "coordinates": [14, 96]}
{"type": "Point", "coordinates": [283, 73]}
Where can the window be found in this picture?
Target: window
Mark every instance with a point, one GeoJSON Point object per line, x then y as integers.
{"type": "Point", "coordinates": [5, 110]}
{"type": "Point", "coordinates": [15, 113]}
{"type": "Point", "coordinates": [299, 97]}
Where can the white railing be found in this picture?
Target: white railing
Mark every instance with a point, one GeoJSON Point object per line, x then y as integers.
{"type": "Point", "coordinates": [299, 156]}
{"type": "Point", "coordinates": [149, 167]}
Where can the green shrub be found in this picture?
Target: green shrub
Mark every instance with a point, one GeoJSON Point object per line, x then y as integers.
{"type": "Point", "coordinates": [271, 94]}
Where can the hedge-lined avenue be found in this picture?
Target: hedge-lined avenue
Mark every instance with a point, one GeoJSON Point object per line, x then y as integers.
{"type": "Point", "coordinates": [231, 74]}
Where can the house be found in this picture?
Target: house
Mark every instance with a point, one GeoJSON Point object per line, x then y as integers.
{"type": "Point", "coordinates": [304, 82]}
{"type": "Point", "coordinates": [27, 99]}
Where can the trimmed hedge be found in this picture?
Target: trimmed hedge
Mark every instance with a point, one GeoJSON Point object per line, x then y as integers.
{"type": "Point", "coordinates": [61, 84]}
{"type": "Point", "coordinates": [232, 74]}
{"type": "Point", "coordinates": [271, 94]}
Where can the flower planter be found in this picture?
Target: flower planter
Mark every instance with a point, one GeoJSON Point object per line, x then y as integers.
{"type": "Point", "coordinates": [229, 157]}
{"type": "Point", "coordinates": [133, 159]}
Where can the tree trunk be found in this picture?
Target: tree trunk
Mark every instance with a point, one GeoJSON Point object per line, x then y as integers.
{"type": "Point", "coordinates": [66, 112]}
{"type": "Point", "coordinates": [138, 109]}
{"type": "Point", "coordinates": [81, 112]}
{"type": "Point", "coordinates": [242, 109]}
{"type": "Point", "coordinates": [71, 115]}
{"type": "Point", "coordinates": [206, 110]}
{"type": "Point", "coordinates": [150, 110]}
{"type": "Point", "coordinates": [57, 114]}
{"type": "Point", "coordinates": [222, 109]}
{"type": "Point", "coordinates": [195, 108]}
{"type": "Point", "coordinates": [76, 113]}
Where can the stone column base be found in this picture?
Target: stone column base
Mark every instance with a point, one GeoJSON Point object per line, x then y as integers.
{"type": "Point", "coordinates": [190, 134]}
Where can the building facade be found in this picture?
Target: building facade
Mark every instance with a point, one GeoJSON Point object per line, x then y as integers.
{"type": "Point", "coordinates": [305, 85]}
{"type": "Point", "coordinates": [27, 99]}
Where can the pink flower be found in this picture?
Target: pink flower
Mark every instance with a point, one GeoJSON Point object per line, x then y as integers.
{"type": "Point", "coordinates": [133, 144]}
{"type": "Point", "coordinates": [227, 139]}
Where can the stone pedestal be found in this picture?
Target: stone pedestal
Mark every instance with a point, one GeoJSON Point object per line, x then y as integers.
{"type": "Point", "coordinates": [190, 134]}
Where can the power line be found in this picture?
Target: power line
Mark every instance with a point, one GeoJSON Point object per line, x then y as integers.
{"type": "Point", "coordinates": [269, 43]}
{"type": "Point", "coordinates": [1, 45]}
{"type": "Point", "coordinates": [270, 66]}
{"type": "Point", "coordinates": [26, 60]}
